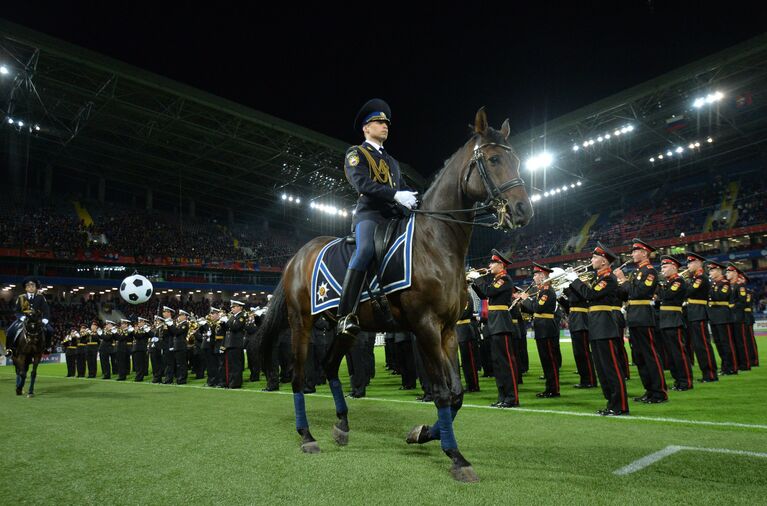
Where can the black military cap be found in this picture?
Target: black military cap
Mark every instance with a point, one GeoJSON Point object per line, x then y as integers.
{"type": "Point", "coordinates": [604, 251]}
{"type": "Point", "coordinates": [714, 265]}
{"type": "Point", "coordinates": [637, 243]}
{"type": "Point", "coordinates": [666, 259]}
{"type": "Point", "coordinates": [30, 279]}
{"type": "Point", "coordinates": [497, 256]}
{"type": "Point", "coordinates": [541, 268]}
{"type": "Point", "coordinates": [691, 257]}
{"type": "Point", "coordinates": [732, 267]}
{"type": "Point", "coordinates": [374, 110]}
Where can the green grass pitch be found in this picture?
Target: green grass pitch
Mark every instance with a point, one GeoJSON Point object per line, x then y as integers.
{"type": "Point", "coordinates": [82, 441]}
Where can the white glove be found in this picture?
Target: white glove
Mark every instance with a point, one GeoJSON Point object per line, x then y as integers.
{"type": "Point", "coordinates": [77, 334]}
{"type": "Point", "coordinates": [207, 333]}
{"type": "Point", "coordinates": [559, 293]}
{"type": "Point", "coordinates": [23, 318]}
{"type": "Point", "coordinates": [45, 321]}
{"type": "Point", "coordinates": [571, 276]}
{"type": "Point", "coordinates": [406, 198]}
{"type": "Point", "coordinates": [169, 321]}
{"type": "Point", "coordinates": [130, 328]}
{"type": "Point", "coordinates": [146, 328]}
{"type": "Point", "coordinates": [224, 319]}
{"type": "Point", "coordinates": [114, 331]}
{"type": "Point", "coordinates": [473, 275]}
{"type": "Point", "coordinates": [155, 339]}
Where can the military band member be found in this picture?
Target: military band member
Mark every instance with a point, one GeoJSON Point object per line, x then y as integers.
{"type": "Point", "coordinates": [91, 350]}
{"type": "Point", "coordinates": [81, 356]}
{"type": "Point", "coordinates": [124, 338]}
{"type": "Point", "coordinates": [497, 288]}
{"type": "Point", "coordinates": [749, 310]}
{"type": "Point", "coordinates": [143, 333]}
{"type": "Point", "coordinates": [641, 321]}
{"type": "Point", "coordinates": [198, 362]}
{"type": "Point", "coordinates": [721, 319]}
{"type": "Point", "coordinates": [697, 317]}
{"type": "Point", "coordinates": [519, 338]}
{"type": "Point", "coordinates": [578, 323]}
{"type": "Point", "coordinates": [234, 342]}
{"type": "Point", "coordinates": [672, 293]}
{"type": "Point", "coordinates": [27, 303]}
{"type": "Point", "coordinates": [467, 334]}
{"type": "Point", "coordinates": [156, 345]}
{"type": "Point", "coordinates": [180, 332]}
{"type": "Point", "coordinates": [252, 345]}
{"type": "Point", "coordinates": [219, 334]}
{"type": "Point", "coordinates": [208, 342]}
{"type": "Point", "coordinates": [70, 351]}
{"type": "Point", "coordinates": [168, 341]}
{"type": "Point", "coordinates": [106, 345]}
{"type": "Point", "coordinates": [604, 332]}
{"type": "Point", "coordinates": [738, 298]}
{"type": "Point", "coordinates": [542, 306]}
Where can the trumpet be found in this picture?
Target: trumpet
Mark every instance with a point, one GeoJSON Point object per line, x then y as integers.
{"type": "Point", "coordinates": [481, 271]}
{"type": "Point", "coordinates": [559, 280]}
{"type": "Point", "coordinates": [686, 274]}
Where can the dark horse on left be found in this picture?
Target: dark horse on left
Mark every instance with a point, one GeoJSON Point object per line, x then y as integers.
{"type": "Point", "coordinates": [29, 350]}
{"type": "Point", "coordinates": [484, 170]}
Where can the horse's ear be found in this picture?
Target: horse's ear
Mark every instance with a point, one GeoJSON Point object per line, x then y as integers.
{"type": "Point", "coordinates": [505, 129]}
{"type": "Point", "coordinates": [480, 122]}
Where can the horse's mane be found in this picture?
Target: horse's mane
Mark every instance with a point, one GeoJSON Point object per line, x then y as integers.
{"type": "Point", "coordinates": [492, 135]}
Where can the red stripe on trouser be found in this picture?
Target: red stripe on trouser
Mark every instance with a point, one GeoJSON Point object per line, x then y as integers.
{"type": "Point", "coordinates": [711, 371]}
{"type": "Point", "coordinates": [588, 357]}
{"type": "Point", "coordinates": [657, 362]}
{"type": "Point", "coordinates": [745, 343]}
{"type": "Point", "coordinates": [473, 367]}
{"type": "Point", "coordinates": [619, 374]}
{"type": "Point", "coordinates": [732, 346]}
{"type": "Point", "coordinates": [511, 366]}
{"type": "Point", "coordinates": [553, 363]}
{"type": "Point", "coordinates": [684, 356]}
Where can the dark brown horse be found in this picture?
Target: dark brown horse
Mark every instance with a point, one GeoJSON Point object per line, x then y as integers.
{"type": "Point", "coordinates": [29, 350]}
{"type": "Point", "coordinates": [484, 170]}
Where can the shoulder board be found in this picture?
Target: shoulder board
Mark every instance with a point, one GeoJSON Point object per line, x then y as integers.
{"type": "Point", "coordinates": [725, 288]}
{"type": "Point", "coordinates": [600, 285]}
{"type": "Point", "coordinates": [675, 286]}
{"type": "Point", "coordinates": [742, 291]}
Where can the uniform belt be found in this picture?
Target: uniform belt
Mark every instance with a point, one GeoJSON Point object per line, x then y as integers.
{"type": "Point", "coordinates": [671, 308]}
{"type": "Point", "coordinates": [731, 306]}
{"type": "Point", "coordinates": [81, 344]}
{"type": "Point", "coordinates": [500, 307]}
{"type": "Point", "coordinates": [697, 301]}
{"type": "Point", "coordinates": [601, 308]}
{"type": "Point", "coordinates": [71, 347]}
{"type": "Point", "coordinates": [748, 310]}
{"type": "Point", "coordinates": [219, 338]}
{"type": "Point", "coordinates": [579, 310]}
{"type": "Point", "coordinates": [719, 303]}
{"type": "Point", "coordinates": [544, 315]}
{"type": "Point", "coordinates": [514, 320]}
{"type": "Point", "coordinates": [462, 322]}
{"type": "Point", "coordinates": [643, 302]}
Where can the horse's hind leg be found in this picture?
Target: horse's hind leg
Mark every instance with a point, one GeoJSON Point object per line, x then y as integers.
{"type": "Point", "coordinates": [32, 379]}
{"type": "Point", "coordinates": [332, 362]}
{"type": "Point", "coordinates": [300, 330]}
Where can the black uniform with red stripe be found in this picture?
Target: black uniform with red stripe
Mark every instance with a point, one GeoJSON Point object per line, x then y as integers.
{"type": "Point", "coordinates": [738, 303]}
{"type": "Point", "coordinates": [672, 325]}
{"type": "Point", "coordinates": [467, 334]}
{"type": "Point", "coordinates": [640, 318]}
{"type": "Point", "coordinates": [578, 322]}
{"type": "Point", "coordinates": [697, 325]}
{"type": "Point", "coordinates": [604, 335]}
{"type": "Point", "coordinates": [542, 307]}
{"type": "Point", "coordinates": [721, 324]}
{"type": "Point", "coordinates": [497, 289]}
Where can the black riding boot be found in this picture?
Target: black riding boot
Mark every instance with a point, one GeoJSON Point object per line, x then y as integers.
{"type": "Point", "coordinates": [348, 324]}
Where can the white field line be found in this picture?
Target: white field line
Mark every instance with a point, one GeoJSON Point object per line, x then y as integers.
{"type": "Point", "coordinates": [648, 460]}
{"type": "Point", "coordinates": [631, 418]}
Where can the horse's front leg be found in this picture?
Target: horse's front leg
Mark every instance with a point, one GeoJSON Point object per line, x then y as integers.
{"type": "Point", "coordinates": [32, 377]}
{"type": "Point", "coordinates": [21, 378]}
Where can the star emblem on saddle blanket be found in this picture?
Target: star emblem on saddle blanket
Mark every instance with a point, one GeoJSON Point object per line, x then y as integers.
{"type": "Point", "coordinates": [322, 292]}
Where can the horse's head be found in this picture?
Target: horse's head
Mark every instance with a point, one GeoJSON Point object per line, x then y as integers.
{"type": "Point", "coordinates": [492, 175]}
{"type": "Point", "coordinates": [33, 325]}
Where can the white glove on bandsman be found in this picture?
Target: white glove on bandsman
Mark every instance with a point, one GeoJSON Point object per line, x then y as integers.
{"type": "Point", "coordinates": [224, 319]}
{"type": "Point", "coordinates": [473, 275]}
{"type": "Point", "coordinates": [169, 321]}
{"type": "Point", "coordinates": [130, 328]}
{"type": "Point", "coordinates": [45, 321]}
{"type": "Point", "coordinates": [571, 276]}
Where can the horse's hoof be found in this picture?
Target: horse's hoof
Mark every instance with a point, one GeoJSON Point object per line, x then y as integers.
{"type": "Point", "coordinates": [340, 437]}
{"type": "Point", "coordinates": [310, 447]}
{"type": "Point", "coordinates": [418, 435]}
{"type": "Point", "coordinates": [464, 474]}
{"type": "Point", "coordinates": [29, 396]}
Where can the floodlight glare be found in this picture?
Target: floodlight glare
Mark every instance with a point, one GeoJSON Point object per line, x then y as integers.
{"type": "Point", "coordinates": [4, 70]}
{"type": "Point", "coordinates": [284, 197]}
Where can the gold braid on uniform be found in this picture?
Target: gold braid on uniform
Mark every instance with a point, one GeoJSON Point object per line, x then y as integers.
{"type": "Point", "coordinates": [379, 172]}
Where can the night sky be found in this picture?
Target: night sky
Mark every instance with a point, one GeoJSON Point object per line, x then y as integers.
{"type": "Point", "coordinates": [435, 63]}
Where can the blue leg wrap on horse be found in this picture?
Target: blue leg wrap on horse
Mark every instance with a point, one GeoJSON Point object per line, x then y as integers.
{"type": "Point", "coordinates": [447, 438]}
{"type": "Point", "coordinates": [434, 429]}
{"type": "Point", "coordinates": [300, 407]}
{"type": "Point", "coordinates": [338, 396]}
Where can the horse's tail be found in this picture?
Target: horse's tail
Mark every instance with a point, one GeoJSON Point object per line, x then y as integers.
{"type": "Point", "coordinates": [274, 321]}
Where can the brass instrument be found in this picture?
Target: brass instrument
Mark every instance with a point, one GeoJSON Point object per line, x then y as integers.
{"type": "Point", "coordinates": [193, 326]}
{"type": "Point", "coordinates": [482, 271]}
{"type": "Point", "coordinates": [559, 281]}
{"type": "Point", "coordinates": [686, 274]}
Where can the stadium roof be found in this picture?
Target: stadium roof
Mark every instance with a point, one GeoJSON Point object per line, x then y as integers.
{"type": "Point", "coordinates": [664, 118]}
{"type": "Point", "coordinates": [99, 116]}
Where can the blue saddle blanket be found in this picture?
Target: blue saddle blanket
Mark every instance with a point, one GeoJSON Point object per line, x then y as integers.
{"type": "Point", "coordinates": [394, 273]}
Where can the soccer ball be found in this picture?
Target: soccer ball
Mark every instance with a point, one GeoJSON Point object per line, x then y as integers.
{"type": "Point", "coordinates": [136, 289]}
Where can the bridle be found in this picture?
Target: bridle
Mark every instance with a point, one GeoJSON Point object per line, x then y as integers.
{"type": "Point", "coordinates": [494, 205]}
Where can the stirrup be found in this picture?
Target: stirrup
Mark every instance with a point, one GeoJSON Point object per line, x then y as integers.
{"type": "Point", "coordinates": [348, 326]}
